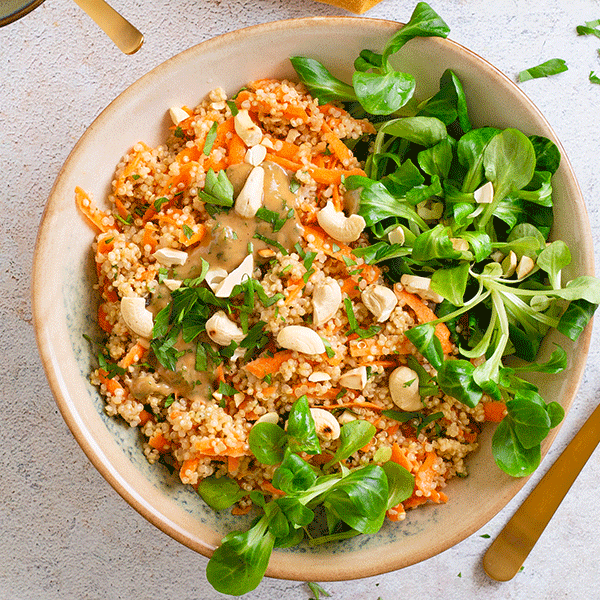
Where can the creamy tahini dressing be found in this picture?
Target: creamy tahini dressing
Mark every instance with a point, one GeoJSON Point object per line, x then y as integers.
{"type": "Point", "coordinates": [225, 245]}
{"type": "Point", "coordinates": [229, 236]}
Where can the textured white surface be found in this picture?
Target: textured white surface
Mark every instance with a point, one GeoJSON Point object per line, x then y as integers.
{"type": "Point", "coordinates": [65, 533]}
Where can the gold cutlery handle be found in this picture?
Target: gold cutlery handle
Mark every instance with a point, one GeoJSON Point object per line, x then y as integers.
{"type": "Point", "coordinates": [514, 543]}
{"type": "Point", "coordinates": [126, 37]}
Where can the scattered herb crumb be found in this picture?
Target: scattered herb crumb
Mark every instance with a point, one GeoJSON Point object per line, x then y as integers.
{"type": "Point", "coordinates": [594, 78]}
{"type": "Point", "coordinates": [546, 69]}
{"type": "Point", "coordinates": [317, 590]}
{"type": "Point", "coordinates": [485, 535]}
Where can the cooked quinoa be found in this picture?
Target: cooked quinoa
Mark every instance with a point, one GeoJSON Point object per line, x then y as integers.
{"type": "Point", "coordinates": [195, 400]}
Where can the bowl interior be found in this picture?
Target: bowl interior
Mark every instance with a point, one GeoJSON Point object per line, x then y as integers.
{"type": "Point", "coordinates": [65, 305]}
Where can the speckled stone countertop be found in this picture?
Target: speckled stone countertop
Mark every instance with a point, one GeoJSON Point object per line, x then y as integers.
{"type": "Point", "coordinates": [65, 533]}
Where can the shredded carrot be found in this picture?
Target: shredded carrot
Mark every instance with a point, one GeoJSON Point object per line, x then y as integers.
{"type": "Point", "coordinates": [400, 458]}
{"type": "Point", "coordinates": [233, 464]}
{"type": "Point", "coordinates": [188, 467]}
{"type": "Point", "coordinates": [105, 245]}
{"type": "Point", "coordinates": [269, 487]}
{"type": "Point", "coordinates": [132, 166]}
{"type": "Point", "coordinates": [329, 176]}
{"type": "Point", "coordinates": [205, 448]}
{"type": "Point", "coordinates": [148, 238]}
{"type": "Point", "coordinates": [158, 441]}
{"type": "Point", "coordinates": [103, 321]}
{"type": "Point", "coordinates": [89, 209]}
{"type": "Point", "coordinates": [286, 163]}
{"type": "Point", "coordinates": [220, 374]}
{"type": "Point", "coordinates": [237, 150]}
{"type": "Point", "coordinates": [425, 475]}
{"type": "Point", "coordinates": [414, 501]}
{"type": "Point", "coordinates": [123, 212]}
{"type": "Point", "coordinates": [287, 150]}
{"type": "Point", "coordinates": [336, 145]}
{"type": "Point", "coordinates": [237, 511]}
{"type": "Point", "coordinates": [424, 315]}
{"type": "Point", "coordinates": [112, 385]}
{"type": "Point", "coordinates": [396, 513]}
{"type": "Point", "coordinates": [494, 411]}
{"type": "Point", "coordinates": [268, 365]}
{"type": "Point", "coordinates": [145, 416]}
{"type": "Point", "coordinates": [386, 364]}
{"type": "Point", "coordinates": [195, 238]}
{"type": "Point", "coordinates": [135, 354]}
{"type": "Point", "coordinates": [289, 112]}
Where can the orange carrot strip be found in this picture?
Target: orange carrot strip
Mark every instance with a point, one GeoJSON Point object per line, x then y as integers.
{"type": "Point", "coordinates": [424, 315]}
{"type": "Point", "coordinates": [104, 245]}
{"type": "Point", "coordinates": [135, 354]}
{"type": "Point", "coordinates": [237, 150]}
{"type": "Point", "coordinates": [89, 209]}
{"type": "Point", "coordinates": [288, 150]}
{"type": "Point", "coordinates": [148, 238]}
{"type": "Point", "coordinates": [414, 501]}
{"type": "Point", "coordinates": [269, 487]}
{"type": "Point", "coordinates": [233, 464]}
{"type": "Point", "coordinates": [396, 513]}
{"type": "Point", "coordinates": [267, 365]}
{"type": "Point", "coordinates": [145, 416]}
{"type": "Point", "coordinates": [286, 163]}
{"type": "Point", "coordinates": [336, 145]}
{"type": "Point", "coordinates": [158, 441]}
{"type": "Point", "coordinates": [112, 385]}
{"type": "Point", "coordinates": [399, 457]}
{"type": "Point", "coordinates": [494, 411]}
{"type": "Point", "coordinates": [329, 176]}
{"type": "Point", "coordinates": [237, 511]}
{"type": "Point", "coordinates": [123, 212]}
{"type": "Point", "coordinates": [188, 465]}
{"type": "Point", "coordinates": [198, 236]}
{"type": "Point", "coordinates": [103, 321]}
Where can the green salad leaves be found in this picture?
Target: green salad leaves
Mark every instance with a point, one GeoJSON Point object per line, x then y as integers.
{"type": "Point", "coordinates": [475, 209]}
{"type": "Point", "coordinates": [320, 504]}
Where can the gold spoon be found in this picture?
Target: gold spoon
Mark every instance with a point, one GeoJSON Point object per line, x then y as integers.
{"type": "Point", "coordinates": [126, 37]}
{"type": "Point", "coordinates": [514, 543]}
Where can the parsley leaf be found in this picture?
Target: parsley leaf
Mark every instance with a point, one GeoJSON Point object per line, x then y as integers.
{"type": "Point", "coordinates": [217, 190]}
{"type": "Point", "coordinates": [159, 202]}
{"type": "Point", "coordinates": [594, 78]}
{"type": "Point", "coordinates": [274, 218]}
{"type": "Point", "coordinates": [211, 136]}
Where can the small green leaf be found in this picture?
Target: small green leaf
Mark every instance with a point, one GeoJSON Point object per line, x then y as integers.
{"type": "Point", "coordinates": [550, 67]}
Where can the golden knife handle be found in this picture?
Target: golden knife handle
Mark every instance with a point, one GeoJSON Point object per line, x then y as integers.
{"type": "Point", "coordinates": [514, 543]}
{"type": "Point", "coordinates": [126, 37]}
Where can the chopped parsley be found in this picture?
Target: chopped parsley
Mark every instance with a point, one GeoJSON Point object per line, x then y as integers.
{"type": "Point", "coordinates": [233, 107]}
{"type": "Point", "coordinates": [226, 389]}
{"type": "Point", "coordinates": [111, 368]}
{"type": "Point", "coordinates": [218, 190]}
{"type": "Point", "coordinates": [211, 136]}
{"type": "Point", "coordinates": [127, 221]}
{"type": "Point", "coordinates": [187, 231]}
{"type": "Point", "coordinates": [274, 218]}
{"type": "Point", "coordinates": [169, 400]}
{"type": "Point", "coordinates": [271, 242]}
{"type": "Point", "coordinates": [159, 202]}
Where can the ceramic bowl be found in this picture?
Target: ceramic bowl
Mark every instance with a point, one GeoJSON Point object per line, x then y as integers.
{"type": "Point", "coordinates": [11, 10]}
{"type": "Point", "coordinates": [65, 305]}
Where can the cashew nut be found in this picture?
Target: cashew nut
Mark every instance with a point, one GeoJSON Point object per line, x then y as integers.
{"type": "Point", "coordinates": [397, 236]}
{"type": "Point", "coordinates": [433, 212]}
{"type": "Point", "coordinates": [319, 376]}
{"type": "Point", "coordinates": [250, 199]}
{"type": "Point", "coordinates": [326, 299]}
{"type": "Point", "coordinates": [420, 286]}
{"type": "Point", "coordinates": [355, 379]}
{"type": "Point", "coordinates": [136, 316]}
{"type": "Point", "coordinates": [300, 338]}
{"type": "Point", "coordinates": [346, 417]}
{"type": "Point", "coordinates": [172, 284]}
{"type": "Point", "coordinates": [237, 276]}
{"type": "Point", "coordinates": [525, 267]}
{"type": "Point", "coordinates": [484, 194]}
{"type": "Point", "coordinates": [326, 425]}
{"type": "Point", "coordinates": [178, 114]}
{"type": "Point", "coordinates": [247, 129]}
{"type": "Point", "coordinates": [255, 155]}
{"type": "Point", "coordinates": [338, 225]}
{"type": "Point", "coordinates": [222, 330]}
{"type": "Point", "coordinates": [404, 389]}
{"type": "Point", "coordinates": [380, 301]}
{"type": "Point", "coordinates": [214, 277]}
{"type": "Point", "coordinates": [509, 264]}
{"type": "Point", "coordinates": [460, 244]}
{"type": "Point", "coordinates": [270, 417]}
{"type": "Point", "coordinates": [169, 257]}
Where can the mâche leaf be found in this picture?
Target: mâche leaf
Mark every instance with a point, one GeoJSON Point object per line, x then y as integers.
{"type": "Point", "coordinates": [545, 69]}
